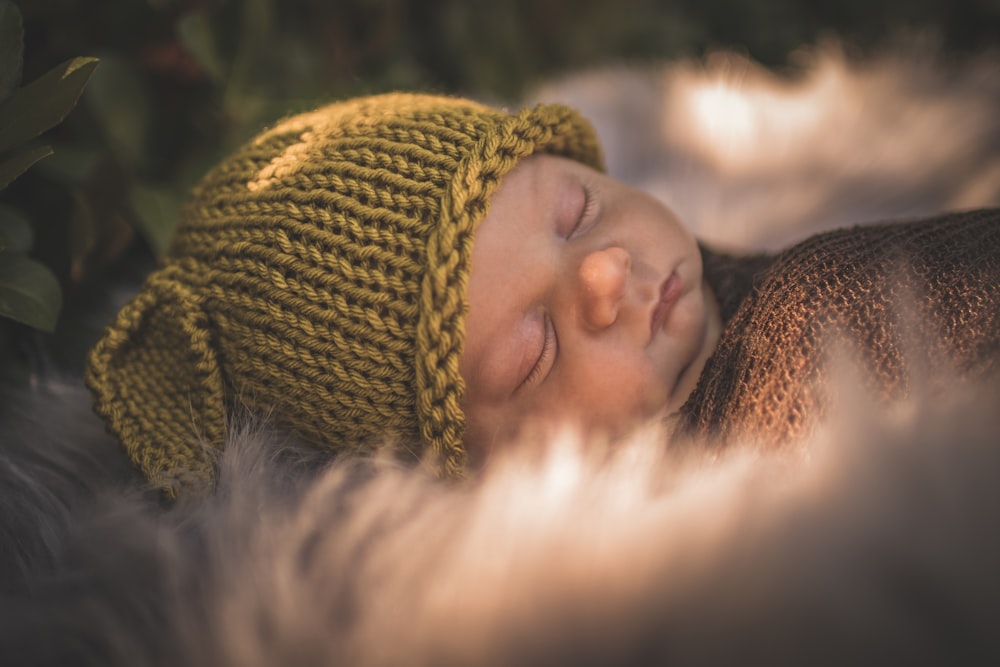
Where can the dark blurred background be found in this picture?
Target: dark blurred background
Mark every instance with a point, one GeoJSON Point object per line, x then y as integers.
{"type": "Point", "coordinates": [180, 82]}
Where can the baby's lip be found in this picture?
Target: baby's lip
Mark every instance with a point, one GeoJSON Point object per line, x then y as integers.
{"type": "Point", "coordinates": [670, 292]}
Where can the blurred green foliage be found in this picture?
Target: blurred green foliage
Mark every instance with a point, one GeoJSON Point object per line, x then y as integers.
{"type": "Point", "coordinates": [180, 82]}
{"type": "Point", "coordinates": [29, 292]}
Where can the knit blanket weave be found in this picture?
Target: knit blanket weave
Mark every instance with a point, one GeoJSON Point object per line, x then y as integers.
{"type": "Point", "coordinates": [863, 294]}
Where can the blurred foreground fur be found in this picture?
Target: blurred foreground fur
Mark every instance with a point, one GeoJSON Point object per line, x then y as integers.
{"type": "Point", "coordinates": [875, 543]}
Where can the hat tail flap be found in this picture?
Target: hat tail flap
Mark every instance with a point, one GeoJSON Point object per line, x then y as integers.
{"type": "Point", "coordinates": [157, 383]}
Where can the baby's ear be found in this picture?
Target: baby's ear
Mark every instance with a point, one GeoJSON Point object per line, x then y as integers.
{"type": "Point", "coordinates": [156, 381]}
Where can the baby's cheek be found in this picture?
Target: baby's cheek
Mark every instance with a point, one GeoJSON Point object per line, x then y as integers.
{"type": "Point", "coordinates": [619, 397]}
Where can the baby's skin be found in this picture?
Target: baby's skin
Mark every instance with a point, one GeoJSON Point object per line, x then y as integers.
{"type": "Point", "coordinates": [587, 307]}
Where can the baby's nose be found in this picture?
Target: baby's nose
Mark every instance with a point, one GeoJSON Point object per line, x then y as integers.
{"type": "Point", "coordinates": [603, 277]}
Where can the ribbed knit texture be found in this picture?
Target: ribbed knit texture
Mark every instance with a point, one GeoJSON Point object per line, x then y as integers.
{"type": "Point", "coordinates": [907, 302]}
{"type": "Point", "coordinates": [319, 274]}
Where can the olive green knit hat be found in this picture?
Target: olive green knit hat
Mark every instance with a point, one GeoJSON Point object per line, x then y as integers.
{"type": "Point", "coordinates": [319, 274]}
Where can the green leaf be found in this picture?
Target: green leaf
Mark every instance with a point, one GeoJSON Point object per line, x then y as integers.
{"type": "Point", "coordinates": [13, 167]}
{"type": "Point", "coordinates": [157, 212]}
{"type": "Point", "coordinates": [29, 292]}
{"type": "Point", "coordinates": [71, 164]}
{"type": "Point", "coordinates": [11, 48]}
{"type": "Point", "coordinates": [16, 232]}
{"type": "Point", "coordinates": [44, 102]}
{"type": "Point", "coordinates": [120, 102]}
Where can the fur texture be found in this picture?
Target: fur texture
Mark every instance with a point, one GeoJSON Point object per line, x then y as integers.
{"type": "Point", "coordinates": [875, 542]}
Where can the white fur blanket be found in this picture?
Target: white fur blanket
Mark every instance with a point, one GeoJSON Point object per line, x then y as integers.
{"type": "Point", "coordinates": [750, 158]}
{"type": "Point", "coordinates": [875, 543]}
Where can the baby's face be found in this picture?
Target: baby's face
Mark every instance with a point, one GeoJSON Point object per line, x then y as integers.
{"type": "Point", "coordinates": [586, 305]}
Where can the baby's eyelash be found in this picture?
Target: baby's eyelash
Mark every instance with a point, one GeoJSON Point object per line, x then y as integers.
{"type": "Point", "coordinates": [589, 204]}
{"type": "Point", "coordinates": [548, 349]}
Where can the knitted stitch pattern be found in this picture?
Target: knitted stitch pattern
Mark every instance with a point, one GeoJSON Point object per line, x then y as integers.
{"type": "Point", "coordinates": [908, 302]}
{"type": "Point", "coordinates": [319, 273]}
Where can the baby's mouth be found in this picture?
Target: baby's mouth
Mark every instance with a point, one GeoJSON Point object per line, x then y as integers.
{"type": "Point", "coordinates": [670, 292]}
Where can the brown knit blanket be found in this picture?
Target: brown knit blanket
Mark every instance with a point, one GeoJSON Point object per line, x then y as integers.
{"type": "Point", "coordinates": [902, 302]}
